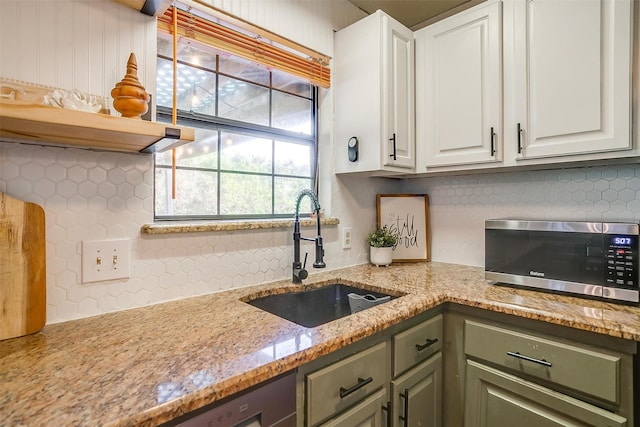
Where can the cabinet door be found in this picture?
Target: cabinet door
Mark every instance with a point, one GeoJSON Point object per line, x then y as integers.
{"type": "Point", "coordinates": [398, 96]}
{"type": "Point", "coordinates": [567, 76]}
{"type": "Point", "coordinates": [368, 413]}
{"type": "Point", "coordinates": [374, 93]}
{"type": "Point", "coordinates": [417, 395]}
{"type": "Point", "coordinates": [459, 88]}
{"type": "Point", "coordinates": [496, 399]}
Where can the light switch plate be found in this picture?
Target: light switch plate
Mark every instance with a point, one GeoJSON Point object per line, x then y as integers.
{"type": "Point", "coordinates": [105, 260]}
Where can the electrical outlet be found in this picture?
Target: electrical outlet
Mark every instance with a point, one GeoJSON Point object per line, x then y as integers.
{"type": "Point", "coordinates": [346, 238]}
{"type": "Point", "coordinates": [105, 260]}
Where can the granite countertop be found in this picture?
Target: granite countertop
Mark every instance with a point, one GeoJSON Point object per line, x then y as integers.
{"type": "Point", "coordinates": [148, 365]}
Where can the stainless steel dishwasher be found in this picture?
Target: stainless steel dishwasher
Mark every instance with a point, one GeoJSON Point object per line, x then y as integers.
{"type": "Point", "coordinates": [270, 405]}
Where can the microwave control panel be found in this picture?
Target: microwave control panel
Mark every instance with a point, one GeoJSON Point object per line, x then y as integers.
{"type": "Point", "coordinates": [621, 260]}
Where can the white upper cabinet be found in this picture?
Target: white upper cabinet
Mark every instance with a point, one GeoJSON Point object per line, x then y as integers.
{"type": "Point", "coordinates": [374, 97]}
{"type": "Point", "coordinates": [459, 89]}
{"type": "Point", "coordinates": [525, 82]}
{"type": "Point", "coordinates": [567, 67]}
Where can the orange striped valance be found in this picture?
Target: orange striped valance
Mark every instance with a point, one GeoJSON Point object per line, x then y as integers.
{"type": "Point", "coordinates": [189, 25]}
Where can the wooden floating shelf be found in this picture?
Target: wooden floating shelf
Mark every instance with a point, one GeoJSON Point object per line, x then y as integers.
{"type": "Point", "coordinates": [44, 124]}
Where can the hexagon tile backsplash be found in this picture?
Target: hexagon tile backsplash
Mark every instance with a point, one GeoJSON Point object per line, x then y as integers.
{"type": "Point", "coordinates": [460, 205]}
{"type": "Point", "coordinates": [89, 195]}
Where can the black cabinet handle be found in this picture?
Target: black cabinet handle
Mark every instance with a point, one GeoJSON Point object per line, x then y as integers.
{"type": "Point", "coordinates": [428, 343]}
{"type": "Point", "coordinates": [394, 147]}
{"type": "Point", "coordinates": [405, 418]}
{"type": "Point", "coordinates": [517, 355]}
{"type": "Point", "coordinates": [387, 409]}
{"type": "Point", "coordinates": [344, 392]}
{"type": "Point", "coordinates": [493, 147]}
{"type": "Point", "coordinates": [519, 139]}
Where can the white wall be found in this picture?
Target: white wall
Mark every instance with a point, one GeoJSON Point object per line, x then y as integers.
{"type": "Point", "coordinates": [304, 21]}
{"type": "Point", "coordinates": [75, 44]}
{"type": "Point", "coordinates": [89, 195]}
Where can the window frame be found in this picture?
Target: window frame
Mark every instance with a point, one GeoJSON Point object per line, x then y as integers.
{"type": "Point", "coordinates": [220, 124]}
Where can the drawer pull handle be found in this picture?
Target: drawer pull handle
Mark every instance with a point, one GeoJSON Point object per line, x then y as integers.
{"type": "Point", "coordinates": [517, 355]}
{"type": "Point", "coordinates": [405, 397]}
{"type": "Point", "coordinates": [387, 409]}
{"type": "Point", "coordinates": [519, 139]}
{"type": "Point", "coordinates": [493, 147]}
{"type": "Point", "coordinates": [428, 343]}
{"type": "Point", "coordinates": [393, 140]}
{"type": "Point", "coordinates": [344, 392]}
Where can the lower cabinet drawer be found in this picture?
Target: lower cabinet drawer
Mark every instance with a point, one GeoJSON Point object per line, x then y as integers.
{"type": "Point", "coordinates": [416, 344]}
{"type": "Point", "coordinates": [333, 389]}
{"type": "Point", "coordinates": [585, 370]}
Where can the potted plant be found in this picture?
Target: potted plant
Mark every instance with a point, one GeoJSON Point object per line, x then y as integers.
{"type": "Point", "coordinates": [381, 244]}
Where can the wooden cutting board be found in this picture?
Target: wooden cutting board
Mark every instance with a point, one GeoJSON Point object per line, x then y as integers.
{"type": "Point", "coordinates": [22, 268]}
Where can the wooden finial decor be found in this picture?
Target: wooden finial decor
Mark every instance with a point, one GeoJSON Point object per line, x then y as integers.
{"type": "Point", "coordinates": [129, 97]}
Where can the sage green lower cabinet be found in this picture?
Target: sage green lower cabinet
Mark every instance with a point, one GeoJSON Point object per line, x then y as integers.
{"type": "Point", "coordinates": [355, 385]}
{"type": "Point", "coordinates": [368, 413]}
{"type": "Point", "coordinates": [416, 395]}
{"type": "Point", "coordinates": [524, 373]}
{"type": "Point", "coordinates": [498, 399]}
{"type": "Point", "coordinates": [459, 366]}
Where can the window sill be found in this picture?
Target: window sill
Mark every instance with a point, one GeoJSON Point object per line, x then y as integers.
{"type": "Point", "coordinates": [198, 227]}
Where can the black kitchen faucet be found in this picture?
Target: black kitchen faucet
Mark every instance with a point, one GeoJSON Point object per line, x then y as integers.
{"type": "Point", "coordinates": [299, 271]}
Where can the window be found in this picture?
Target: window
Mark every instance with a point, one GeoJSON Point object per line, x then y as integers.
{"type": "Point", "coordinates": [256, 136]}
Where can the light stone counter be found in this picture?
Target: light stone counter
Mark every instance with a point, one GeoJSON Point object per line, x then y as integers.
{"type": "Point", "coordinates": [149, 365]}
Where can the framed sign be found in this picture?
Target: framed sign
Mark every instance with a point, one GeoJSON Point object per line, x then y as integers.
{"type": "Point", "coordinates": [407, 216]}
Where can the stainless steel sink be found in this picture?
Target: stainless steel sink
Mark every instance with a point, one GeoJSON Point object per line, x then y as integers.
{"type": "Point", "coordinates": [313, 307]}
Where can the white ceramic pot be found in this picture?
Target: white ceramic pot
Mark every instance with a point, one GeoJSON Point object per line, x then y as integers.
{"type": "Point", "coordinates": [380, 256]}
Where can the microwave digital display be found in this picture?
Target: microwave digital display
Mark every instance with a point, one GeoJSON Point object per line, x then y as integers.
{"type": "Point", "coordinates": [621, 241]}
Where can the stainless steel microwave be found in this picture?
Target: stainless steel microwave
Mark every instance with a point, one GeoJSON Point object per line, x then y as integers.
{"type": "Point", "coordinates": [595, 259]}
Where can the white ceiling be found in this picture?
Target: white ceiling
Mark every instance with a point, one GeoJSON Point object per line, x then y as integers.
{"type": "Point", "coordinates": [411, 13]}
